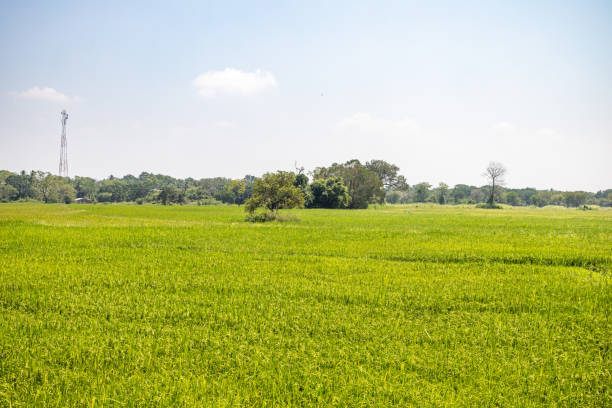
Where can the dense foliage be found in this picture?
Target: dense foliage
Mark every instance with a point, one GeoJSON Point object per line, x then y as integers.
{"type": "Point", "coordinates": [329, 193]}
{"type": "Point", "coordinates": [274, 191]}
{"type": "Point", "coordinates": [365, 184]}
{"type": "Point", "coordinates": [420, 305]}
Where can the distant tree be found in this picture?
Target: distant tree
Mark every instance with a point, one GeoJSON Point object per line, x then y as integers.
{"type": "Point", "coordinates": [386, 172]}
{"type": "Point", "coordinates": [393, 197]}
{"type": "Point", "coordinates": [575, 198]}
{"type": "Point", "coordinates": [47, 185]}
{"type": "Point", "coordinates": [55, 189]}
{"type": "Point", "coordinates": [8, 193]}
{"type": "Point", "coordinates": [24, 183]}
{"type": "Point", "coordinates": [557, 198]}
{"type": "Point", "coordinates": [512, 198]}
{"type": "Point", "coordinates": [604, 198]}
{"type": "Point", "coordinates": [248, 183]}
{"type": "Point", "coordinates": [477, 195]}
{"type": "Point", "coordinates": [168, 195]}
{"type": "Point", "coordinates": [541, 198]}
{"type": "Point", "coordinates": [301, 181]}
{"type": "Point", "coordinates": [441, 193]}
{"type": "Point", "coordinates": [233, 192]}
{"type": "Point", "coordinates": [116, 187]}
{"type": "Point", "coordinates": [329, 193]}
{"type": "Point", "coordinates": [85, 187]}
{"type": "Point", "coordinates": [525, 194]}
{"type": "Point", "coordinates": [194, 194]}
{"type": "Point", "coordinates": [421, 191]}
{"type": "Point", "coordinates": [104, 197]}
{"type": "Point", "coordinates": [364, 185]}
{"type": "Point", "coordinates": [274, 191]}
{"type": "Point", "coordinates": [495, 174]}
{"type": "Point", "coordinates": [460, 193]}
{"type": "Point", "coordinates": [211, 186]}
{"type": "Point", "coordinates": [4, 175]}
{"type": "Point", "coordinates": [66, 193]}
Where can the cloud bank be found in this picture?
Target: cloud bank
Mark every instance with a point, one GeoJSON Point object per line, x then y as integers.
{"type": "Point", "coordinates": [233, 81]}
{"type": "Point", "coordinates": [43, 94]}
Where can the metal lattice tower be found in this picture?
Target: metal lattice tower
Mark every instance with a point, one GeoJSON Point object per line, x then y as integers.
{"type": "Point", "coordinates": [63, 165]}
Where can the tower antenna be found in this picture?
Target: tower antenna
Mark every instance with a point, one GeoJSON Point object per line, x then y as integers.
{"type": "Point", "coordinates": [63, 164]}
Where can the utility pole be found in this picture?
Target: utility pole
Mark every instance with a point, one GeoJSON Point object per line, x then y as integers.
{"type": "Point", "coordinates": [63, 164]}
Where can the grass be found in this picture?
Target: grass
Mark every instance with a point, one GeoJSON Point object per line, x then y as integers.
{"type": "Point", "coordinates": [125, 305]}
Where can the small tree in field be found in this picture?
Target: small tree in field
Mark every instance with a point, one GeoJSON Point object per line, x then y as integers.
{"type": "Point", "coordinates": [495, 174]}
{"type": "Point", "coordinates": [274, 191]}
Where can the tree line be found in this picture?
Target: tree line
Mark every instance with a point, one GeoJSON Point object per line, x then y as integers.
{"type": "Point", "coordinates": [341, 185]}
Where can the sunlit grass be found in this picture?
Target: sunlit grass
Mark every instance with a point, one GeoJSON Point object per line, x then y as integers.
{"type": "Point", "coordinates": [125, 305]}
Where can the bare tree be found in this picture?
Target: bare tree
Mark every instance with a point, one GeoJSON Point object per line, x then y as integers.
{"type": "Point", "coordinates": [495, 174]}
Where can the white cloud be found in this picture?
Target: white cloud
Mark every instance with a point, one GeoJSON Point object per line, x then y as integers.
{"type": "Point", "coordinates": [44, 94]}
{"type": "Point", "coordinates": [233, 81]}
{"type": "Point", "coordinates": [366, 123]}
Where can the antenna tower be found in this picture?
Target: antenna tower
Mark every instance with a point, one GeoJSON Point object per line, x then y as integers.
{"type": "Point", "coordinates": [63, 165]}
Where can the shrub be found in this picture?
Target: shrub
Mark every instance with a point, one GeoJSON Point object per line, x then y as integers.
{"type": "Point", "coordinates": [260, 216]}
{"type": "Point", "coordinates": [489, 206]}
{"type": "Point", "coordinates": [209, 201]}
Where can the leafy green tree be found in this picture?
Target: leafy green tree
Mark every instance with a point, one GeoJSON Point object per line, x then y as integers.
{"type": "Point", "coordinates": [441, 193]}
{"type": "Point", "coordinates": [421, 192]}
{"type": "Point", "coordinates": [393, 197]}
{"type": "Point", "coordinates": [575, 198]}
{"type": "Point", "coordinates": [248, 183]}
{"type": "Point", "coordinates": [56, 189]}
{"type": "Point", "coordinates": [387, 173]}
{"type": "Point", "coordinates": [541, 198]}
{"type": "Point", "coordinates": [85, 187]}
{"type": "Point", "coordinates": [47, 186]}
{"type": "Point", "coordinates": [25, 184]}
{"type": "Point", "coordinates": [211, 186]}
{"type": "Point", "coordinates": [460, 193]}
{"type": "Point", "coordinates": [274, 191]}
{"type": "Point", "coordinates": [8, 193]}
{"type": "Point", "coordinates": [512, 198]}
{"type": "Point", "coordinates": [363, 185]}
{"type": "Point", "coordinates": [65, 193]}
{"type": "Point", "coordinates": [104, 197]}
{"type": "Point", "coordinates": [525, 194]}
{"type": "Point", "coordinates": [194, 194]}
{"type": "Point", "coordinates": [170, 194]}
{"type": "Point", "coordinates": [117, 189]}
{"type": "Point", "coordinates": [557, 199]}
{"type": "Point", "coordinates": [225, 196]}
{"type": "Point", "coordinates": [237, 188]}
{"type": "Point", "coordinates": [329, 193]}
{"type": "Point", "coordinates": [301, 181]}
{"type": "Point", "coordinates": [4, 174]}
{"type": "Point", "coordinates": [477, 195]}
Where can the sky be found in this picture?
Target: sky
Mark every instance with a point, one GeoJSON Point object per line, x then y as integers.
{"type": "Point", "coordinates": [204, 89]}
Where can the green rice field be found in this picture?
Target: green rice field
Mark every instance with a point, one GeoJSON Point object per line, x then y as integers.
{"type": "Point", "coordinates": [138, 306]}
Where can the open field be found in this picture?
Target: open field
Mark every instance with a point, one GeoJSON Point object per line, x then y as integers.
{"type": "Point", "coordinates": [125, 305]}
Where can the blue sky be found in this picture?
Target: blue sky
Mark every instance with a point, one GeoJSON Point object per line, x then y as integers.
{"type": "Point", "coordinates": [208, 89]}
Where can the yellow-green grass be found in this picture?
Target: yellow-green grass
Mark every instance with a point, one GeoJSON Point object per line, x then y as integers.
{"type": "Point", "coordinates": [125, 305]}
